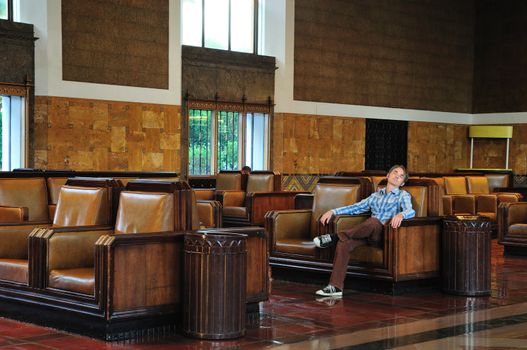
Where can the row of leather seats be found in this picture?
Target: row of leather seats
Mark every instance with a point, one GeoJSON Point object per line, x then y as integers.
{"type": "Point", "coordinates": [245, 198]}
{"type": "Point", "coordinates": [408, 253]}
{"type": "Point", "coordinates": [110, 252]}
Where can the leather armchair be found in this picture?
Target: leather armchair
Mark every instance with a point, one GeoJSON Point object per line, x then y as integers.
{"type": "Point", "coordinates": [225, 181]}
{"type": "Point", "coordinates": [410, 252]}
{"type": "Point", "coordinates": [457, 201]}
{"type": "Point", "coordinates": [77, 206]}
{"type": "Point", "coordinates": [70, 254]}
{"type": "Point", "coordinates": [262, 195]}
{"type": "Point", "coordinates": [480, 185]}
{"type": "Point", "coordinates": [512, 227]}
{"type": "Point", "coordinates": [291, 232]}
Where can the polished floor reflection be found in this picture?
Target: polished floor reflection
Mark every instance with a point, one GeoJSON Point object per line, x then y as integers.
{"type": "Point", "coordinates": [295, 319]}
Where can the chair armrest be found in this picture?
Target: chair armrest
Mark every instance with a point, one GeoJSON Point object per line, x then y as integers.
{"type": "Point", "coordinates": [14, 241]}
{"type": "Point", "coordinates": [138, 271]}
{"type": "Point", "coordinates": [459, 204]}
{"type": "Point", "coordinates": [209, 213]}
{"type": "Point", "coordinates": [13, 214]}
{"type": "Point", "coordinates": [72, 249]}
{"type": "Point", "coordinates": [508, 197]}
{"type": "Point", "coordinates": [204, 193]}
{"type": "Point", "coordinates": [486, 203]}
{"type": "Point", "coordinates": [287, 224]}
{"type": "Point", "coordinates": [230, 198]}
{"type": "Point", "coordinates": [259, 203]}
{"type": "Point", "coordinates": [413, 250]}
{"type": "Point", "coordinates": [344, 222]}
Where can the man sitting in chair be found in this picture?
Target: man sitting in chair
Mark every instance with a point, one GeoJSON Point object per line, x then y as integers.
{"type": "Point", "coordinates": [387, 204]}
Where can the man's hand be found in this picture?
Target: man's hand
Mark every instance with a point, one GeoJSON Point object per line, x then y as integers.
{"type": "Point", "coordinates": [396, 220]}
{"type": "Point", "coordinates": [324, 219]}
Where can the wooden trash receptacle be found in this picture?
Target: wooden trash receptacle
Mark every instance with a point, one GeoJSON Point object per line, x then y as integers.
{"type": "Point", "coordinates": [214, 289]}
{"type": "Point", "coordinates": [466, 255]}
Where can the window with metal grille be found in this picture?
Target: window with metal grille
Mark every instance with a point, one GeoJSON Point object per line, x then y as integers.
{"type": "Point", "coordinates": [220, 24]}
{"type": "Point", "coordinates": [227, 140]}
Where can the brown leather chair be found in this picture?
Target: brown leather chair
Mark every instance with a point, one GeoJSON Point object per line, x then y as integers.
{"type": "Point", "coordinates": [481, 185]}
{"type": "Point", "coordinates": [456, 200]}
{"type": "Point", "coordinates": [71, 264]}
{"type": "Point", "coordinates": [77, 206]}
{"type": "Point", "coordinates": [291, 232]}
{"type": "Point", "coordinates": [23, 199]}
{"type": "Point", "coordinates": [263, 193]}
{"type": "Point", "coordinates": [225, 181]}
{"type": "Point", "coordinates": [410, 252]}
{"type": "Point", "coordinates": [512, 227]}
{"type": "Point", "coordinates": [123, 275]}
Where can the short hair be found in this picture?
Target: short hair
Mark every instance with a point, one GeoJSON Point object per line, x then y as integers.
{"type": "Point", "coordinates": [406, 175]}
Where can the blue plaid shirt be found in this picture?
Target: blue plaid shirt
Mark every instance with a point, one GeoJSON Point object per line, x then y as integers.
{"type": "Point", "coordinates": [383, 206]}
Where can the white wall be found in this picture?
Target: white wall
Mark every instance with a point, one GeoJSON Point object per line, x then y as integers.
{"type": "Point", "coordinates": [277, 40]}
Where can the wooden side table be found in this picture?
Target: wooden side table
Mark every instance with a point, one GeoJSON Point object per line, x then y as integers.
{"type": "Point", "coordinates": [466, 255]}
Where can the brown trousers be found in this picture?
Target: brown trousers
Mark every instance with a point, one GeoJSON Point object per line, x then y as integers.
{"type": "Point", "coordinates": [369, 231]}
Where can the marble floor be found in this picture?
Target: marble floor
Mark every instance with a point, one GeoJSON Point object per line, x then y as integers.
{"type": "Point", "coordinates": [294, 319]}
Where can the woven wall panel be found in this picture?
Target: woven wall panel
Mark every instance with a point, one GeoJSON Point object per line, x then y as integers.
{"type": "Point", "coordinates": [106, 135]}
{"type": "Point", "coordinates": [500, 80]}
{"type": "Point", "coordinates": [408, 54]}
{"type": "Point", "coordinates": [121, 42]}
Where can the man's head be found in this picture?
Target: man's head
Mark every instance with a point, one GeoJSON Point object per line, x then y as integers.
{"type": "Point", "coordinates": [397, 175]}
{"type": "Point", "coordinates": [246, 169]}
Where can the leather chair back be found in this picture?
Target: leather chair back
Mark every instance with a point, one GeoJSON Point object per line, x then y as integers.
{"type": "Point", "coordinates": [455, 185]}
{"type": "Point", "coordinates": [229, 181]}
{"type": "Point", "coordinates": [141, 212]}
{"type": "Point", "coordinates": [260, 182]}
{"type": "Point", "coordinates": [26, 192]}
{"type": "Point", "coordinates": [478, 184]}
{"type": "Point", "coordinates": [82, 206]}
{"type": "Point", "coordinates": [376, 180]}
{"type": "Point", "coordinates": [497, 180]}
{"type": "Point", "coordinates": [330, 196]}
{"type": "Point", "coordinates": [419, 199]}
{"type": "Point", "coordinates": [54, 186]}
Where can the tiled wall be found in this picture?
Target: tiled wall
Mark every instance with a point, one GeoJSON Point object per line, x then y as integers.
{"type": "Point", "coordinates": [311, 144]}
{"type": "Point", "coordinates": [437, 147]}
{"type": "Point", "coordinates": [83, 134]}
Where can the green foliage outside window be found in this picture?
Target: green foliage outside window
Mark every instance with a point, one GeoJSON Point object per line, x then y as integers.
{"type": "Point", "coordinates": [3, 9]}
{"type": "Point", "coordinates": [228, 125]}
{"type": "Point", "coordinates": [200, 141]}
{"type": "Point", "coordinates": [200, 128]}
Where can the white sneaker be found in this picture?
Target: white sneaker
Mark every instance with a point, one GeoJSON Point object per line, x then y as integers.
{"type": "Point", "coordinates": [326, 241]}
{"type": "Point", "coordinates": [329, 291]}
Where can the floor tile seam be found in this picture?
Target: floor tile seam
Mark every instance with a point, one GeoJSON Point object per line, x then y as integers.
{"type": "Point", "coordinates": [458, 330]}
{"type": "Point", "coordinates": [379, 333]}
